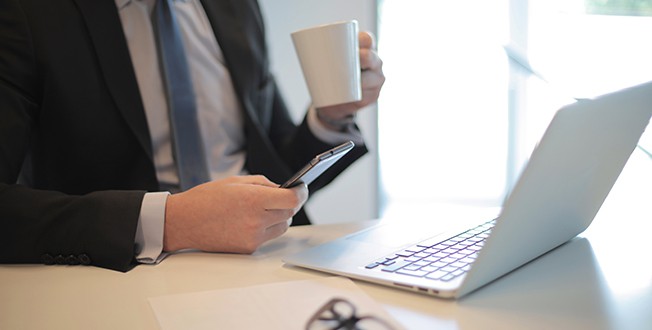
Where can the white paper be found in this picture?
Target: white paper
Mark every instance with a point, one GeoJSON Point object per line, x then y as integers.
{"type": "Point", "coordinates": [284, 305]}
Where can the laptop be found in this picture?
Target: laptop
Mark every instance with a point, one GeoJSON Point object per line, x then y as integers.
{"type": "Point", "coordinates": [566, 180]}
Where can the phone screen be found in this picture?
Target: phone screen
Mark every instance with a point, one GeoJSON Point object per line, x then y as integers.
{"type": "Point", "coordinates": [318, 165]}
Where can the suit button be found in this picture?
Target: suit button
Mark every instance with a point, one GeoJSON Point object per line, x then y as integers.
{"type": "Point", "coordinates": [84, 259]}
{"type": "Point", "coordinates": [72, 260]}
{"type": "Point", "coordinates": [47, 259]}
{"type": "Point", "coordinates": [60, 260]}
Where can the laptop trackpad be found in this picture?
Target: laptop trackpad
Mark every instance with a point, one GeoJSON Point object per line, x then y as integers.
{"type": "Point", "coordinates": [395, 235]}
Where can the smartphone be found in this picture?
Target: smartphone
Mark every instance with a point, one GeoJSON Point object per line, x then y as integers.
{"type": "Point", "coordinates": [318, 165]}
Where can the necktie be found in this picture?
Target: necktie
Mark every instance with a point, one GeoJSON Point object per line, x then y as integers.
{"type": "Point", "coordinates": [186, 139]}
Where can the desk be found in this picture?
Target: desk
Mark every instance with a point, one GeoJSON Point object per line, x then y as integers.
{"type": "Point", "coordinates": [584, 284]}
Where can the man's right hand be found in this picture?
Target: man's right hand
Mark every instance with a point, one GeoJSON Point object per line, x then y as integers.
{"type": "Point", "coordinates": [236, 215]}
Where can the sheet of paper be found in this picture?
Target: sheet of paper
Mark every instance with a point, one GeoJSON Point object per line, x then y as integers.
{"type": "Point", "coordinates": [284, 305]}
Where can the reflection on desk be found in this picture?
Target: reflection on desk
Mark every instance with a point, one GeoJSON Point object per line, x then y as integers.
{"type": "Point", "coordinates": [532, 293]}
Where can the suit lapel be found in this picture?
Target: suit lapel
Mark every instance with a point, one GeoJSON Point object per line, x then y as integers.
{"type": "Point", "coordinates": [105, 30]}
{"type": "Point", "coordinates": [240, 37]}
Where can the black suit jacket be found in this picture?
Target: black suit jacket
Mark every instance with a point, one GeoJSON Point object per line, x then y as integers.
{"type": "Point", "coordinates": [75, 150]}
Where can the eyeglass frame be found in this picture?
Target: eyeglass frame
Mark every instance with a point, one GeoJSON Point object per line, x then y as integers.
{"type": "Point", "coordinates": [343, 323]}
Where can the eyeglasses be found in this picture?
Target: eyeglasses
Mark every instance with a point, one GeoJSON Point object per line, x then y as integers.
{"type": "Point", "coordinates": [340, 314]}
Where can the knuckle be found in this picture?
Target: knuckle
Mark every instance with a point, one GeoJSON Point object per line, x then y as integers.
{"type": "Point", "coordinates": [286, 214]}
{"type": "Point", "coordinates": [294, 200]}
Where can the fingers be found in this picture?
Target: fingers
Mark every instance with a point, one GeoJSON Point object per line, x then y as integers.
{"type": "Point", "coordinates": [252, 179]}
{"type": "Point", "coordinates": [237, 214]}
{"type": "Point", "coordinates": [286, 199]}
{"type": "Point", "coordinates": [302, 193]}
{"type": "Point", "coordinates": [366, 40]}
{"type": "Point", "coordinates": [266, 195]}
{"type": "Point", "coordinates": [369, 60]}
{"type": "Point", "coordinates": [372, 78]}
{"type": "Point", "coordinates": [276, 230]}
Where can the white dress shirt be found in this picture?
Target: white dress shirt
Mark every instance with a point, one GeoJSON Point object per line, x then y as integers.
{"type": "Point", "coordinates": [220, 115]}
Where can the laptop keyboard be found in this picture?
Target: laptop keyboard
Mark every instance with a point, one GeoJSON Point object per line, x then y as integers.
{"type": "Point", "coordinates": [435, 259]}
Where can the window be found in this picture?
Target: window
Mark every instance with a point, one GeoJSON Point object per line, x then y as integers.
{"type": "Point", "coordinates": [472, 85]}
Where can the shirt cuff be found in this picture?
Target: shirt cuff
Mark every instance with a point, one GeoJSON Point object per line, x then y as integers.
{"type": "Point", "coordinates": [329, 136]}
{"type": "Point", "coordinates": [149, 233]}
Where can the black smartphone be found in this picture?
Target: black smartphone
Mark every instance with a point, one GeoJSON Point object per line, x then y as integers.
{"type": "Point", "coordinates": [318, 165]}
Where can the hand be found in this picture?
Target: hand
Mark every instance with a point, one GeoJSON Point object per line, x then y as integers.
{"type": "Point", "coordinates": [372, 79]}
{"type": "Point", "coordinates": [237, 214]}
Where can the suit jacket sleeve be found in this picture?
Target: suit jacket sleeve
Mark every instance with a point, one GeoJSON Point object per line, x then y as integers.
{"type": "Point", "coordinates": [40, 225]}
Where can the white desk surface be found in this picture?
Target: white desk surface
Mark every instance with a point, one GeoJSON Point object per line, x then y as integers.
{"type": "Point", "coordinates": [588, 283]}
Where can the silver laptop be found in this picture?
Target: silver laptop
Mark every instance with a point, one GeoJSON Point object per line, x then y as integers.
{"type": "Point", "coordinates": [566, 180]}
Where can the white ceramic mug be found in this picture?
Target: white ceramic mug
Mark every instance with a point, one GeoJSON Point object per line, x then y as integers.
{"type": "Point", "coordinates": [330, 62]}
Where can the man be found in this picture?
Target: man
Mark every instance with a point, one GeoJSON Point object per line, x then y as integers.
{"type": "Point", "coordinates": [85, 144]}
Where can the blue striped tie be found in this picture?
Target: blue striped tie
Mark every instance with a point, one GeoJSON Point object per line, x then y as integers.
{"type": "Point", "coordinates": [186, 137]}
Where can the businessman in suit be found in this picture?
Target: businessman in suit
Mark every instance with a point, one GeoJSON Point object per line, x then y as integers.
{"type": "Point", "coordinates": [85, 153]}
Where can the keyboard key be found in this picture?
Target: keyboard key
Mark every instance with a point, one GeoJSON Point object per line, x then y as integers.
{"type": "Point", "coordinates": [404, 253]}
{"type": "Point", "coordinates": [462, 245]}
{"type": "Point", "coordinates": [436, 275]}
{"type": "Point", "coordinates": [430, 259]}
{"type": "Point", "coordinates": [421, 255]}
{"type": "Point", "coordinates": [372, 265]}
{"type": "Point", "coordinates": [466, 252]}
{"type": "Point", "coordinates": [440, 255]}
{"type": "Point", "coordinates": [448, 260]}
{"type": "Point", "coordinates": [458, 264]}
{"type": "Point", "coordinates": [449, 269]}
{"type": "Point", "coordinates": [417, 273]}
{"type": "Point", "coordinates": [399, 264]}
{"type": "Point", "coordinates": [421, 263]}
{"type": "Point", "coordinates": [457, 272]}
{"type": "Point", "coordinates": [429, 268]}
{"type": "Point", "coordinates": [448, 277]}
{"type": "Point", "coordinates": [457, 255]}
{"type": "Point", "coordinates": [438, 264]}
{"type": "Point", "coordinates": [468, 260]}
{"type": "Point", "coordinates": [411, 267]}
{"type": "Point", "coordinates": [412, 259]}
{"type": "Point", "coordinates": [431, 250]}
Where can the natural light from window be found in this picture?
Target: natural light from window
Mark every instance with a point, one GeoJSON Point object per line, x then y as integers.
{"type": "Point", "coordinates": [447, 135]}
